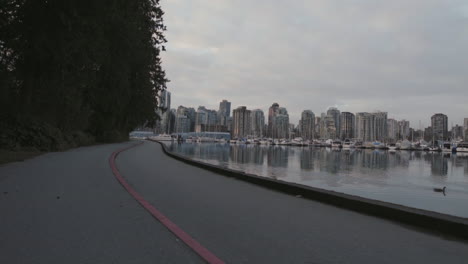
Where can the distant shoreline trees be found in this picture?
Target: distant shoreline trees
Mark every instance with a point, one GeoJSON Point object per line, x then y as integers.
{"type": "Point", "coordinates": [77, 71]}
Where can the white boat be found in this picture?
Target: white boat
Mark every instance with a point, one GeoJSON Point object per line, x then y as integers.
{"type": "Point", "coordinates": [379, 145]}
{"type": "Point", "coordinates": [163, 137]}
{"type": "Point", "coordinates": [347, 144]}
{"type": "Point", "coordinates": [297, 142]}
{"type": "Point", "coordinates": [405, 145]}
{"type": "Point", "coordinates": [434, 148]}
{"type": "Point", "coordinates": [336, 144]}
{"type": "Point", "coordinates": [392, 146]}
{"type": "Point", "coordinates": [462, 147]}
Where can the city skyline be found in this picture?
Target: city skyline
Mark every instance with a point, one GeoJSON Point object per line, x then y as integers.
{"type": "Point", "coordinates": [334, 124]}
{"type": "Point", "coordinates": [414, 125]}
{"type": "Point", "coordinates": [401, 57]}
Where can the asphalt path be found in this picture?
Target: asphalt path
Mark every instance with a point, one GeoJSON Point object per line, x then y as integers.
{"type": "Point", "coordinates": [244, 223]}
{"type": "Point", "coordinates": [68, 207]}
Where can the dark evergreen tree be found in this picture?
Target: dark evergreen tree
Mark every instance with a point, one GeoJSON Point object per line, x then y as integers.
{"type": "Point", "coordinates": [78, 66]}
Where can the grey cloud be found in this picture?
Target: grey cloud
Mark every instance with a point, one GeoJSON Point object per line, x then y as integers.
{"type": "Point", "coordinates": [404, 57]}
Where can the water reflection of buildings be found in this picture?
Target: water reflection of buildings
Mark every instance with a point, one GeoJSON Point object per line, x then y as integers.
{"type": "Point", "coordinates": [306, 159]}
{"type": "Point", "coordinates": [278, 156]}
{"type": "Point", "coordinates": [461, 160]}
{"type": "Point", "coordinates": [218, 152]}
{"type": "Point", "coordinates": [247, 154]}
{"type": "Point", "coordinates": [325, 160]}
{"type": "Point", "coordinates": [438, 162]}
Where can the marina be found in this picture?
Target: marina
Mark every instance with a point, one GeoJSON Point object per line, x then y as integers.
{"type": "Point", "coordinates": [402, 177]}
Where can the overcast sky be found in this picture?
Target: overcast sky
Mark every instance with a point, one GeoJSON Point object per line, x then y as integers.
{"type": "Point", "coordinates": [408, 58]}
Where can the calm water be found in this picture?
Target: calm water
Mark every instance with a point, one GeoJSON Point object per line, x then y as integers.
{"type": "Point", "coordinates": [402, 177]}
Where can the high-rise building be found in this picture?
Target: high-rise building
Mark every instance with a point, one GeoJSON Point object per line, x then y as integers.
{"type": "Point", "coordinates": [371, 126]}
{"type": "Point", "coordinates": [167, 121]}
{"type": "Point", "coordinates": [318, 126]}
{"type": "Point", "coordinates": [335, 114]}
{"type": "Point", "coordinates": [365, 126]}
{"type": "Point", "coordinates": [171, 121]}
{"type": "Point", "coordinates": [272, 113]}
{"type": "Point", "coordinates": [392, 127]}
{"type": "Point", "coordinates": [205, 117]}
{"type": "Point", "coordinates": [307, 124]}
{"type": "Point", "coordinates": [224, 112]}
{"type": "Point", "coordinates": [465, 128]}
{"type": "Point", "coordinates": [281, 123]}
{"type": "Point", "coordinates": [164, 100]}
{"type": "Point", "coordinates": [380, 126]}
{"type": "Point", "coordinates": [258, 123]}
{"type": "Point", "coordinates": [182, 124]}
{"type": "Point", "coordinates": [241, 122]}
{"type": "Point", "coordinates": [403, 129]}
{"type": "Point", "coordinates": [201, 117]}
{"type": "Point", "coordinates": [328, 129]}
{"type": "Point", "coordinates": [457, 132]}
{"type": "Point", "coordinates": [191, 115]}
{"type": "Point", "coordinates": [439, 124]}
{"type": "Point", "coordinates": [347, 123]}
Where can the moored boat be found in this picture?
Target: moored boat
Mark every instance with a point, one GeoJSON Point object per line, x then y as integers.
{"type": "Point", "coordinates": [162, 137]}
{"type": "Point", "coordinates": [336, 144]}
{"type": "Point", "coordinates": [462, 147]}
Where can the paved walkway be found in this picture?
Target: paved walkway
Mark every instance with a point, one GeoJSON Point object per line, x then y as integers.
{"type": "Point", "coordinates": [96, 221]}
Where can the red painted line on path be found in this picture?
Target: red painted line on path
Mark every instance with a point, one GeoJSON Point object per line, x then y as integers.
{"type": "Point", "coordinates": [181, 234]}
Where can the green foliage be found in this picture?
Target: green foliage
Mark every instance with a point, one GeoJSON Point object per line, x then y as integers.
{"type": "Point", "coordinates": [78, 67]}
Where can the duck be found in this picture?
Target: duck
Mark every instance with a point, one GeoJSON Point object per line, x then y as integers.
{"type": "Point", "coordinates": [442, 190]}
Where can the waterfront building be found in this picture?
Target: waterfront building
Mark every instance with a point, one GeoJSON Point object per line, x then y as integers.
{"type": "Point", "coordinates": [168, 121]}
{"type": "Point", "coordinates": [182, 124]}
{"type": "Point", "coordinates": [457, 132]}
{"type": "Point", "coordinates": [365, 124]}
{"type": "Point", "coordinates": [281, 124]}
{"type": "Point", "coordinates": [257, 123]}
{"type": "Point", "coordinates": [272, 113]}
{"type": "Point", "coordinates": [210, 128]}
{"type": "Point", "coordinates": [371, 126]}
{"type": "Point", "coordinates": [293, 131]}
{"type": "Point", "coordinates": [335, 114]}
{"type": "Point", "coordinates": [171, 124]}
{"type": "Point", "coordinates": [392, 128]}
{"type": "Point", "coordinates": [164, 101]}
{"type": "Point", "coordinates": [201, 117]}
{"type": "Point", "coordinates": [347, 125]}
{"type": "Point", "coordinates": [318, 126]}
{"type": "Point", "coordinates": [205, 116]}
{"type": "Point", "coordinates": [428, 134]}
{"type": "Point", "coordinates": [191, 115]}
{"type": "Point", "coordinates": [307, 125]}
{"type": "Point", "coordinates": [403, 129]}
{"type": "Point", "coordinates": [465, 128]}
{"type": "Point", "coordinates": [327, 127]}
{"type": "Point", "coordinates": [380, 126]}
{"type": "Point", "coordinates": [439, 123]}
{"type": "Point", "coordinates": [224, 112]}
{"type": "Point", "coordinates": [241, 122]}
{"type": "Point", "coordinates": [229, 124]}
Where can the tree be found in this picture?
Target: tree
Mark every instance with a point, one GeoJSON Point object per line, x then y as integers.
{"type": "Point", "coordinates": [80, 66]}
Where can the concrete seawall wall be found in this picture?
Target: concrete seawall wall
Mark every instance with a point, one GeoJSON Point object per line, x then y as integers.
{"type": "Point", "coordinates": [437, 223]}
